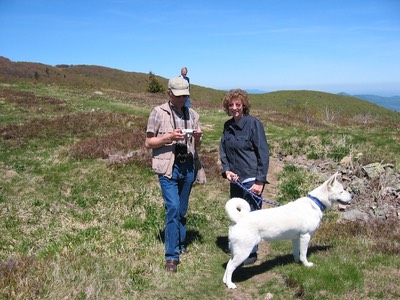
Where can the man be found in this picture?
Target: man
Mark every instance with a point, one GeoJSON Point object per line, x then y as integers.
{"type": "Point", "coordinates": [184, 71]}
{"type": "Point", "coordinates": [173, 133]}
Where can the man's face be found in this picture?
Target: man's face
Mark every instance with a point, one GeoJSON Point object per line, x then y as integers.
{"type": "Point", "coordinates": [178, 101]}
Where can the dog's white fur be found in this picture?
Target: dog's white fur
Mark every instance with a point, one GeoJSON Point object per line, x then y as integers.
{"type": "Point", "coordinates": [295, 221]}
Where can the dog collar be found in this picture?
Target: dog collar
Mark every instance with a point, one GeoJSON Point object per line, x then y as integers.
{"type": "Point", "coordinates": [316, 201]}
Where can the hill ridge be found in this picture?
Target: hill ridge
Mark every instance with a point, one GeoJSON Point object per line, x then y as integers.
{"type": "Point", "coordinates": [93, 77]}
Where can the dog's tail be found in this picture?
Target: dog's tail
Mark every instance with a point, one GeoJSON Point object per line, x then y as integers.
{"type": "Point", "coordinates": [236, 208]}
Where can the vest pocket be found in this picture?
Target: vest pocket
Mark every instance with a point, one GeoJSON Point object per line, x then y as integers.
{"type": "Point", "coordinates": [162, 159]}
{"type": "Point", "coordinates": [160, 165]}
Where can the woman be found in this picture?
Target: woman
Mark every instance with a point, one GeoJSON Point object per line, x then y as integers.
{"type": "Point", "coordinates": [244, 152]}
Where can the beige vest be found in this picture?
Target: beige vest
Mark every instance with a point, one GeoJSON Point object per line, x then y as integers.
{"type": "Point", "coordinates": [163, 158]}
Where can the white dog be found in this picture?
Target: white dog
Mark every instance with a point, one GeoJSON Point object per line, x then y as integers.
{"type": "Point", "coordinates": [295, 221]}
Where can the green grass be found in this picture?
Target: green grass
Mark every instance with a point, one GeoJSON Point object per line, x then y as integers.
{"type": "Point", "coordinates": [76, 225]}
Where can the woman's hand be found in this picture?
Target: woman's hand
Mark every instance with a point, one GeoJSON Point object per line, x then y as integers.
{"type": "Point", "coordinates": [231, 176]}
{"type": "Point", "coordinates": [257, 188]}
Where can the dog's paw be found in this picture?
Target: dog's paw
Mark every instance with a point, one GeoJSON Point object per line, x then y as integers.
{"type": "Point", "coordinates": [309, 264]}
{"type": "Point", "coordinates": [231, 285]}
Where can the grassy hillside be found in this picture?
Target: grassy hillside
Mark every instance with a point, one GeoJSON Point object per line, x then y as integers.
{"type": "Point", "coordinates": [92, 78]}
{"type": "Point", "coordinates": [81, 213]}
{"type": "Point", "coordinates": [320, 103]}
{"type": "Point", "coordinates": [88, 78]}
{"type": "Point", "coordinates": [75, 76]}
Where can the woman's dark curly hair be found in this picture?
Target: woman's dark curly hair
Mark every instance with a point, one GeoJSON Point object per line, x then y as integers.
{"type": "Point", "coordinates": [236, 94]}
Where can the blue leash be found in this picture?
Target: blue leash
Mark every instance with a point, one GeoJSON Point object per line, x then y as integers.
{"type": "Point", "coordinates": [259, 200]}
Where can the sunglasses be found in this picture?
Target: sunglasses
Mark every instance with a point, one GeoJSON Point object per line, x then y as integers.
{"type": "Point", "coordinates": [182, 97]}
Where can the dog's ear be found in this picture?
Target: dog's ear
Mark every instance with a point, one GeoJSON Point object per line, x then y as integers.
{"type": "Point", "coordinates": [332, 179]}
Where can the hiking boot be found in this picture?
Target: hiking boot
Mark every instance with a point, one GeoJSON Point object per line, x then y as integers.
{"type": "Point", "coordinates": [171, 265]}
{"type": "Point", "coordinates": [183, 252]}
{"type": "Point", "coordinates": [250, 260]}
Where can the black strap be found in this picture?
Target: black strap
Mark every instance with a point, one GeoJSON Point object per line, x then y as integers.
{"type": "Point", "coordinates": [185, 117]}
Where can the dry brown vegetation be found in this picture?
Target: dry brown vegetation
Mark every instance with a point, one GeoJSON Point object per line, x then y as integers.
{"type": "Point", "coordinates": [28, 99]}
{"type": "Point", "coordinates": [385, 234]}
{"type": "Point", "coordinates": [18, 277]}
{"type": "Point", "coordinates": [79, 124]}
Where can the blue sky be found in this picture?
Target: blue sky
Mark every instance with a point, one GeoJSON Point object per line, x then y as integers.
{"type": "Point", "coordinates": [334, 46]}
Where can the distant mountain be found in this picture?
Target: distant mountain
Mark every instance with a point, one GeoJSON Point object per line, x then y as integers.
{"type": "Point", "coordinates": [255, 91]}
{"type": "Point", "coordinates": [392, 103]}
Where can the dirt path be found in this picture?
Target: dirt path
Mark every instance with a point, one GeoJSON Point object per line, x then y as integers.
{"type": "Point", "coordinates": [275, 167]}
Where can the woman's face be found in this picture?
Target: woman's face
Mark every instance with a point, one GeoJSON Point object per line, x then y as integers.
{"type": "Point", "coordinates": [236, 108]}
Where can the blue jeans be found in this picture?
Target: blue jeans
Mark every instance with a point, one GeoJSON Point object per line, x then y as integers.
{"type": "Point", "coordinates": [175, 192]}
{"type": "Point", "coordinates": [237, 191]}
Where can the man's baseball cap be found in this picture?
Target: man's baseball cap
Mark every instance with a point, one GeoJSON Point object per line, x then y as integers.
{"type": "Point", "coordinates": [179, 86]}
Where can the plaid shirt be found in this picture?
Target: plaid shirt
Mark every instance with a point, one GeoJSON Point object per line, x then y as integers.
{"type": "Point", "coordinates": [156, 119]}
{"type": "Point", "coordinates": [161, 122]}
